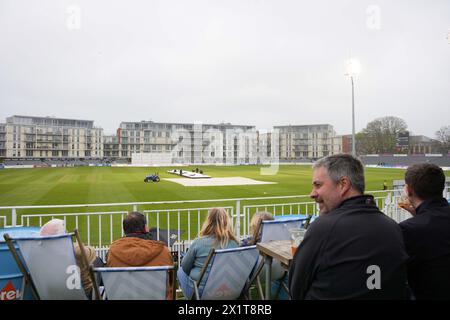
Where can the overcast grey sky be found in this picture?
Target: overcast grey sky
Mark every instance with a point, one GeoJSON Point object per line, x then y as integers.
{"type": "Point", "coordinates": [254, 62]}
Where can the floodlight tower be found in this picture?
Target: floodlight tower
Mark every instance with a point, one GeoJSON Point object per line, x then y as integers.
{"type": "Point", "coordinates": [353, 68]}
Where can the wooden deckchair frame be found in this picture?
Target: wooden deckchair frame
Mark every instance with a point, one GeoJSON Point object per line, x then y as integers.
{"type": "Point", "coordinates": [202, 273]}
{"type": "Point", "coordinates": [26, 276]}
{"type": "Point", "coordinates": [255, 237]}
{"type": "Point", "coordinates": [87, 266]}
{"type": "Point", "coordinates": [28, 281]}
{"type": "Point", "coordinates": [210, 256]}
{"type": "Point", "coordinates": [169, 285]}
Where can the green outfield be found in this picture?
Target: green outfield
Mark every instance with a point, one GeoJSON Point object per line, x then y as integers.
{"type": "Point", "coordinates": [80, 185]}
{"type": "Point", "coordinates": [93, 185]}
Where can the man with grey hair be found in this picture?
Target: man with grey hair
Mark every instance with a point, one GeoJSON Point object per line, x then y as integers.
{"type": "Point", "coordinates": [352, 251]}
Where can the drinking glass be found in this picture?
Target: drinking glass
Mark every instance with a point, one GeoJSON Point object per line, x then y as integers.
{"type": "Point", "coordinates": [297, 235]}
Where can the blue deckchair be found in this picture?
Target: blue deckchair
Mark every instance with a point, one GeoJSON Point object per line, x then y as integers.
{"type": "Point", "coordinates": [53, 271]}
{"type": "Point", "coordinates": [136, 283]}
{"type": "Point", "coordinates": [225, 274]}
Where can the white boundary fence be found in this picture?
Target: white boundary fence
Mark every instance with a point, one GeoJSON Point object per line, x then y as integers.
{"type": "Point", "coordinates": [100, 227]}
{"type": "Point", "coordinates": [2, 221]}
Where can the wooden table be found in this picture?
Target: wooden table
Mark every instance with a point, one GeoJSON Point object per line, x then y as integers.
{"type": "Point", "coordinates": [280, 250]}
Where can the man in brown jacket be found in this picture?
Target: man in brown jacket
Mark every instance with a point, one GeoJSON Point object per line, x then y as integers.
{"type": "Point", "coordinates": [137, 249]}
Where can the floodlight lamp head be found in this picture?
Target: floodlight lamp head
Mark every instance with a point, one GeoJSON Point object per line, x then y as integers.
{"type": "Point", "coordinates": [353, 67]}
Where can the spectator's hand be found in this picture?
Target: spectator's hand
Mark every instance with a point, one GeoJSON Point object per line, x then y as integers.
{"type": "Point", "coordinates": [409, 207]}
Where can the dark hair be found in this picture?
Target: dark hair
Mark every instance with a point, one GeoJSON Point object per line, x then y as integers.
{"type": "Point", "coordinates": [134, 222]}
{"type": "Point", "coordinates": [426, 179]}
{"type": "Point", "coordinates": [344, 165]}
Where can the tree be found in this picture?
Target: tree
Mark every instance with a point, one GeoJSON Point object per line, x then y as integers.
{"type": "Point", "coordinates": [380, 135]}
{"type": "Point", "coordinates": [443, 136]}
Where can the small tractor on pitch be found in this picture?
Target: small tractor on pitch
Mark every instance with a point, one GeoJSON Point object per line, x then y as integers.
{"type": "Point", "coordinates": [152, 178]}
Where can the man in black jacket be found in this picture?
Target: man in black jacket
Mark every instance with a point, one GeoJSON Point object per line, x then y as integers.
{"type": "Point", "coordinates": [427, 233]}
{"type": "Point", "coordinates": [352, 251]}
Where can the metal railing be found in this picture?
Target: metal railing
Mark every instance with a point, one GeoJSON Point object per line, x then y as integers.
{"type": "Point", "coordinates": [17, 212]}
{"type": "Point", "coordinates": [193, 227]}
{"type": "Point", "coordinates": [2, 221]}
{"type": "Point", "coordinates": [100, 226]}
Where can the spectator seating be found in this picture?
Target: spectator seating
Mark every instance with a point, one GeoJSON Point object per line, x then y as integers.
{"type": "Point", "coordinates": [50, 260]}
{"type": "Point", "coordinates": [225, 274]}
{"type": "Point", "coordinates": [138, 283]}
{"type": "Point", "coordinates": [278, 229]}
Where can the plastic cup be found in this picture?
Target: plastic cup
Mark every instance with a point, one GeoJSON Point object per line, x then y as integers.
{"type": "Point", "coordinates": [403, 201]}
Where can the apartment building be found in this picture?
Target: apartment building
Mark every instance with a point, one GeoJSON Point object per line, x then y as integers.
{"type": "Point", "coordinates": [307, 141]}
{"type": "Point", "coordinates": [2, 140]}
{"type": "Point", "coordinates": [194, 143]}
{"type": "Point", "coordinates": [48, 137]}
{"type": "Point", "coordinates": [29, 137]}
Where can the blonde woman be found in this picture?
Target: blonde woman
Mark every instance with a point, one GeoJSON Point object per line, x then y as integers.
{"type": "Point", "coordinates": [255, 228]}
{"type": "Point", "coordinates": [217, 233]}
{"type": "Point", "coordinates": [277, 270]}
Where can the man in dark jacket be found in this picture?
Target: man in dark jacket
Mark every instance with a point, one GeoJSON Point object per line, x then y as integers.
{"type": "Point", "coordinates": [352, 251]}
{"type": "Point", "coordinates": [427, 233]}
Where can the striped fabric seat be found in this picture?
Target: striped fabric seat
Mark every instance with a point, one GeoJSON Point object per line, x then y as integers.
{"type": "Point", "coordinates": [52, 267]}
{"type": "Point", "coordinates": [140, 283]}
{"type": "Point", "coordinates": [228, 273]}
